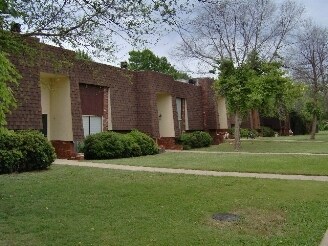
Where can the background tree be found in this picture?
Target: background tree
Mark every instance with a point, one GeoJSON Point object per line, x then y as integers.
{"type": "Point", "coordinates": [146, 60]}
{"type": "Point", "coordinates": [232, 29]}
{"type": "Point", "coordinates": [256, 84]}
{"type": "Point", "coordinates": [95, 26]}
{"type": "Point", "coordinates": [309, 63]}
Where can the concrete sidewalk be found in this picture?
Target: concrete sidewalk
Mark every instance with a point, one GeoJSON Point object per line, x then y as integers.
{"type": "Point", "coordinates": [191, 172]}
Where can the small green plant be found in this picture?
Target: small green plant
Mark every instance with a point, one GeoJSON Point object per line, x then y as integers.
{"type": "Point", "coordinates": [197, 139]}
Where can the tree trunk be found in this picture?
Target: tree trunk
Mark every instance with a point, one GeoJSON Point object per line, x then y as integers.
{"type": "Point", "coordinates": [314, 127]}
{"type": "Point", "coordinates": [237, 131]}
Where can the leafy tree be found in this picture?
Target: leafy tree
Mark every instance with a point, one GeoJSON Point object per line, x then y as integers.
{"type": "Point", "coordinates": [309, 64]}
{"type": "Point", "coordinates": [82, 55]}
{"type": "Point", "coordinates": [8, 77]}
{"type": "Point", "coordinates": [256, 84]}
{"type": "Point", "coordinates": [94, 25]}
{"type": "Point", "coordinates": [146, 60]}
{"type": "Point", "coordinates": [220, 29]}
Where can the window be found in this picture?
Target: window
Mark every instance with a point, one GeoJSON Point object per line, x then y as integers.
{"type": "Point", "coordinates": [91, 124]}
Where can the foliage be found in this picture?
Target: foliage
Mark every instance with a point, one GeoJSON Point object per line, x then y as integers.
{"type": "Point", "coordinates": [146, 60]}
{"type": "Point", "coordinates": [309, 64]}
{"type": "Point", "coordinates": [104, 145]}
{"type": "Point", "coordinates": [111, 145]}
{"type": "Point", "coordinates": [256, 84]}
{"type": "Point", "coordinates": [244, 132]}
{"type": "Point", "coordinates": [131, 147]}
{"type": "Point", "coordinates": [24, 151]}
{"type": "Point", "coordinates": [82, 55]}
{"type": "Point", "coordinates": [232, 29]}
{"type": "Point", "coordinates": [146, 143]}
{"type": "Point", "coordinates": [97, 25]}
{"type": "Point", "coordinates": [267, 131]}
{"type": "Point", "coordinates": [323, 126]}
{"type": "Point", "coordinates": [8, 78]}
{"type": "Point", "coordinates": [197, 139]}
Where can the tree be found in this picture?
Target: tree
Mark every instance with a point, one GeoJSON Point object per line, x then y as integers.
{"type": "Point", "coordinates": [309, 64]}
{"type": "Point", "coordinates": [146, 60]}
{"type": "Point", "coordinates": [94, 25]}
{"type": "Point", "coordinates": [232, 29]}
{"type": "Point", "coordinates": [255, 84]}
{"type": "Point", "coordinates": [8, 77]}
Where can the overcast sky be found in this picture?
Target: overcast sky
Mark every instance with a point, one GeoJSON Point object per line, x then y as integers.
{"type": "Point", "coordinates": [315, 9]}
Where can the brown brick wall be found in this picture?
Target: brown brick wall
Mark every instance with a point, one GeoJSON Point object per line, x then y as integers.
{"type": "Point", "coordinates": [132, 94]}
{"type": "Point", "coordinates": [28, 114]}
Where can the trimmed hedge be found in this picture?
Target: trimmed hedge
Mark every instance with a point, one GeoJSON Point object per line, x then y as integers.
{"type": "Point", "coordinates": [197, 139]}
{"type": "Point", "coordinates": [24, 151]}
{"type": "Point", "coordinates": [111, 145]}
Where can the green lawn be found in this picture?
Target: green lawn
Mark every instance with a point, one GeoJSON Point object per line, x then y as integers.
{"type": "Point", "coordinates": [216, 160]}
{"type": "Point", "coordinates": [292, 144]}
{"type": "Point", "coordinates": [283, 164]}
{"type": "Point", "coordinates": [90, 206]}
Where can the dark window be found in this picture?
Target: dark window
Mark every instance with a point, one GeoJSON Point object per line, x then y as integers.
{"type": "Point", "coordinates": [44, 124]}
{"type": "Point", "coordinates": [92, 99]}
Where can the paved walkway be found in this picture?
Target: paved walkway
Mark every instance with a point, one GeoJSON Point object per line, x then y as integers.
{"type": "Point", "coordinates": [190, 171]}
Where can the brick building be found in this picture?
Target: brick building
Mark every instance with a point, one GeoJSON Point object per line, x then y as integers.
{"type": "Point", "coordinates": [69, 99]}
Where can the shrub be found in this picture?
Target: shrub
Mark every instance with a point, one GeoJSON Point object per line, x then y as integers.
{"type": "Point", "coordinates": [267, 131]}
{"type": "Point", "coordinates": [37, 150]}
{"type": "Point", "coordinates": [195, 139]}
{"type": "Point", "coordinates": [244, 133]}
{"type": "Point", "coordinates": [111, 145]}
{"type": "Point", "coordinates": [10, 161]}
{"type": "Point", "coordinates": [146, 143]}
{"type": "Point", "coordinates": [131, 147]}
{"type": "Point", "coordinates": [104, 145]}
{"type": "Point", "coordinates": [24, 151]}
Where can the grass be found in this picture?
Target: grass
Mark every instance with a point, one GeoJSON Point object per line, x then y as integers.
{"type": "Point", "coordinates": [292, 144]}
{"type": "Point", "coordinates": [217, 160]}
{"type": "Point", "coordinates": [89, 206]}
{"type": "Point", "coordinates": [288, 164]}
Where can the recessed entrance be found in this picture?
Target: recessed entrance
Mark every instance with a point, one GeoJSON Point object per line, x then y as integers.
{"type": "Point", "coordinates": [56, 107]}
{"type": "Point", "coordinates": [165, 115]}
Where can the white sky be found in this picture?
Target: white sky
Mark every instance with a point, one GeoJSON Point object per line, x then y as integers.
{"type": "Point", "coordinates": [315, 9]}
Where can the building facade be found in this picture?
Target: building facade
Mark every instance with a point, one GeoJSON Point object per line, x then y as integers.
{"type": "Point", "coordinates": [68, 99]}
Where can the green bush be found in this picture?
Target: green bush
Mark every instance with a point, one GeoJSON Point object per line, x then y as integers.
{"type": "Point", "coordinates": [146, 143]}
{"type": "Point", "coordinates": [10, 161]}
{"type": "Point", "coordinates": [244, 132]}
{"type": "Point", "coordinates": [104, 145]}
{"type": "Point", "coordinates": [197, 139]}
{"type": "Point", "coordinates": [131, 147]}
{"type": "Point", "coordinates": [267, 131]}
{"type": "Point", "coordinates": [111, 145]}
{"type": "Point", "coordinates": [24, 151]}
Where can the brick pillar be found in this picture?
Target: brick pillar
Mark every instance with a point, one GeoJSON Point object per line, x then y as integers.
{"type": "Point", "coordinates": [105, 109]}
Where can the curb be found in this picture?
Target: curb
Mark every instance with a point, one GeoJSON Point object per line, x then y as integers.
{"type": "Point", "coordinates": [324, 241]}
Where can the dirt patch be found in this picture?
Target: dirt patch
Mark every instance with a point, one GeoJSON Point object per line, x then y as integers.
{"type": "Point", "coordinates": [253, 221]}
